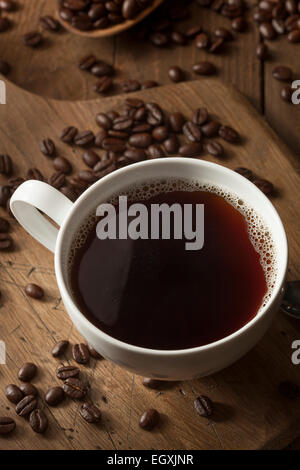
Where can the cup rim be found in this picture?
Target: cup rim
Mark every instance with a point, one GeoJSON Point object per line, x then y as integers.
{"type": "Point", "coordinates": [162, 352]}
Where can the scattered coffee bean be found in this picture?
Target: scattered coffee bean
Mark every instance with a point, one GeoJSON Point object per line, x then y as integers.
{"type": "Point", "coordinates": [5, 67]}
{"type": "Point", "coordinates": [202, 41]}
{"type": "Point", "coordinates": [155, 151]}
{"type": "Point", "coordinates": [192, 132]}
{"type": "Point", "coordinates": [223, 33]}
{"type": "Point", "coordinates": [26, 405]}
{"type": "Point", "coordinates": [216, 45]}
{"type": "Point", "coordinates": [140, 140]}
{"type": "Point", "coordinates": [215, 149]}
{"type": "Point", "coordinates": [204, 68]}
{"type": "Point", "coordinates": [29, 389]}
{"type": "Point", "coordinates": [149, 419]}
{"type": "Point", "coordinates": [87, 176]}
{"type": "Point", "coordinates": [228, 134]}
{"type": "Point", "coordinates": [171, 145]}
{"type": "Point", "coordinates": [57, 179]}
{"type": "Point", "coordinates": [176, 74]}
{"type": "Point", "coordinates": [152, 383]}
{"type": "Point", "coordinates": [4, 225]}
{"type": "Point", "coordinates": [262, 51]}
{"type": "Point", "coordinates": [69, 192]}
{"type": "Point", "coordinates": [87, 62]}
{"type": "Point", "coordinates": [294, 36]}
{"type": "Point", "coordinates": [280, 72]}
{"type": "Point", "coordinates": [129, 86]}
{"type": "Point", "coordinates": [103, 85]}
{"type": "Point", "coordinates": [81, 353]}
{"type": "Point", "coordinates": [135, 155]}
{"type": "Point", "coordinates": [7, 425]}
{"type": "Point", "coordinates": [286, 93]}
{"type": "Point", "coordinates": [27, 372]}
{"type": "Point", "coordinates": [6, 241]}
{"type": "Point", "coordinates": [32, 39]}
{"type": "Point", "coordinates": [7, 5]}
{"type": "Point", "coordinates": [75, 388]}
{"type": "Point", "coordinates": [54, 396]}
{"type": "Point", "coordinates": [239, 24]}
{"type": "Point", "coordinates": [211, 128]}
{"type": "Point", "coordinates": [49, 23]}
{"type": "Point", "coordinates": [200, 116]}
{"type": "Point", "coordinates": [60, 348]}
{"type": "Point", "coordinates": [264, 185]}
{"type": "Point", "coordinates": [68, 134]}
{"type": "Point", "coordinates": [176, 121]}
{"type": "Point", "coordinates": [66, 372]}
{"type": "Point", "coordinates": [13, 393]}
{"type": "Point", "coordinates": [4, 24]}
{"type": "Point", "coordinates": [47, 147]}
{"type": "Point", "coordinates": [84, 138]}
{"type": "Point", "coordinates": [34, 174]}
{"type": "Point", "coordinates": [244, 172]}
{"type": "Point", "coordinates": [267, 31]}
{"type": "Point", "coordinates": [93, 352]}
{"type": "Point", "coordinates": [204, 406]}
{"type": "Point", "coordinates": [5, 165]}
{"type": "Point", "coordinates": [149, 84]}
{"type": "Point", "coordinates": [90, 413]}
{"type": "Point", "coordinates": [160, 133]}
{"type": "Point", "coordinates": [63, 165]}
{"type": "Point", "coordinates": [38, 421]}
{"type": "Point", "coordinates": [34, 291]}
{"type": "Point", "coordinates": [190, 150]}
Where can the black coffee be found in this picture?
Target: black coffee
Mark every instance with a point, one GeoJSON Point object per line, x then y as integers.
{"type": "Point", "coordinates": [156, 294]}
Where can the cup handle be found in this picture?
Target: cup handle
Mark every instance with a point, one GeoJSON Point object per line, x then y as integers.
{"type": "Point", "coordinates": [33, 195]}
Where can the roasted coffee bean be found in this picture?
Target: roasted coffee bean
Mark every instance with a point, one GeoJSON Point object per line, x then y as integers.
{"type": "Point", "coordinates": [75, 5]}
{"type": "Point", "coordinates": [223, 33]}
{"type": "Point", "coordinates": [178, 38]}
{"type": "Point", "coordinates": [244, 172]}
{"type": "Point", "coordinates": [4, 24]}
{"type": "Point", "coordinates": [100, 136]}
{"type": "Point", "coordinates": [264, 185]}
{"type": "Point", "coordinates": [69, 192]}
{"type": "Point", "coordinates": [231, 11]}
{"type": "Point", "coordinates": [140, 114]}
{"type": "Point", "coordinates": [78, 184]}
{"type": "Point", "coordinates": [267, 31]}
{"type": "Point", "coordinates": [149, 419]}
{"type": "Point", "coordinates": [13, 393]}
{"type": "Point", "coordinates": [80, 353]}
{"type": "Point", "coordinates": [140, 128]}
{"type": "Point", "coordinates": [152, 383]}
{"type": "Point", "coordinates": [160, 133]}
{"type": "Point", "coordinates": [54, 396]}
{"type": "Point", "coordinates": [204, 406]}
{"type": "Point", "coordinates": [29, 389]}
{"type": "Point", "coordinates": [87, 176]}
{"type": "Point", "coordinates": [34, 174]}
{"type": "Point", "coordinates": [60, 348]}
{"type": "Point", "coordinates": [5, 165]}
{"type": "Point", "coordinates": [32, 39]}
{"type": "Point", "coordinates": [280, 72]}
{"type": "Point", "coordinates": [93, 352]}
{"type": "Point", "coordinates": [38, 421]}
{"type": "Point", "coordinates": [6, 242]}
{"type": "Point", "coordinates": [140, 140]}
{"type": "Point", "coordinates": [47, 147]}
{"type": "Point", "coordinates": [34, 291]}
{"type": "Point", "coordinates": [101, 69]}
{"type": "Point", "coordinates": [7, 425]}
{"type": "Point", "coordinates": [26, 405]}
{"type": "Point", "coordinates": [171, 145]}
{"type": "Point", "coordinates": [294, 36]}
{"type": "Point", "coordinates": [90, 413]}
{"type": "Point", "coordinates": [202, 41]}
{"type": "Point", "coordinates": [286, 93]}
{"type": "Point", "coordinates": [130, 8]}
{"type": "Point", "coordinates": [155, 151]}
{"type": "Point", "coordinates": [82, 22]}
{"type": "Point", "coordinates": [97, 11]}
{"type": "Point", "coordinates": [90, 158]}
{"type": "Point", "coordinates": [134, 103]}
{"type": "Point", "coordinates": [113, 144]}
{"type": "Point", "coordinates": [176, 122]}
{"type": "Point", "coordinates": [75, 388]}
{"type": "Point", "coordinates": [27, 371]}
{"type": "Point", "coordinates": [104, 121]}
{"type": "Point", "coordinates": [289, 389]}
{"type": "Point", "coordinates": [239, 24]}
{"type": "Point", "coordinates": [149, 84]}
{"type": "Point", "coordinates": [200, 116]}
{"type": "Point", "coordinates": [193, 31]}
{"type": "Point", "coordinates": [159, 39]}
{"type": "Point", "coordinates": [155, 115]}
{"type": "Point", "coordinates": [216, 45]}
{"type": "Point", "coordinates": [4, 225]}
{"type": "Point", "coordinates": [5, 67]}
{"type": "Point", "coordinates": [122, 123]}
{"type": "Point", "coordinates": [215, 149]}
{"type": "Point", "coordinates": [66, 372]}
{"type": "Point", "coordinates": [84, 138]}
{"type": "Point", "coordinates": [66, 14]}
{"type": "Point", "coordinates": [14, 183]}
{"type": "Point", "coordinates": [204, 68]}
{"type": "Point", "coordinates": [279, 26]}
{"type": "Point", "coordinates": [128, 86]}
{"type": "Point", "coordinates": [7, 5]}
{"type": "Point", "coordinates": [63, 165]}
{"type": "Point", "coordinates": [228, 134]}
{"type": "Point", "coordinates": [103, 85]}
{"type": "Point", "coordinates": [262, 51]}
{"type": "Point", "coordinates": [135, 154]}
{"type": "Point", "coordinates": [49, 23]}
{"type": "Point", "coordinates": [190, 150]}
{"type": "Point", "coordinates": [176, 74]}
{"type": "Point", "coordinates": [68, 134]}
{"type": "Point", "coordinates": [192, 132]}
{"type": "Point", "coordinates": [87, 62]}
{"type": "Point", "coordinates": [57, 179]}
{"type": "Point", "coordinates": [211, 128]}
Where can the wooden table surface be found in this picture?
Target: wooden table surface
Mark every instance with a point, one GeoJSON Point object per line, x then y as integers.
{"type": "Point", "coordinates": [52, 72]}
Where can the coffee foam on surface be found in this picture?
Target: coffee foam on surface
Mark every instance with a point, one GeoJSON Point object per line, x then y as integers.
{"type": "Point", "coordinates": [259, 233]}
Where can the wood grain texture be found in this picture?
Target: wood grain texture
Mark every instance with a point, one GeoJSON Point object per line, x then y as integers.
{"type": "Point", "coordinates": [250, 414]}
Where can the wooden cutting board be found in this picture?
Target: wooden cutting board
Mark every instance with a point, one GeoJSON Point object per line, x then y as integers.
{"type": "Point", "coordinates": [250, 413]}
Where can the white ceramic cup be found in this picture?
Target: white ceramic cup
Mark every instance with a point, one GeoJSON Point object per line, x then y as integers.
{"type": "Point", "coordinates": [169, 365]}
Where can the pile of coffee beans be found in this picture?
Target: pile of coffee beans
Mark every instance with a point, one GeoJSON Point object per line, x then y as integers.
{"type": "Point", "coordinates": [284, 74]}
{"type": "Point", "coordinates": [88, 15]}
